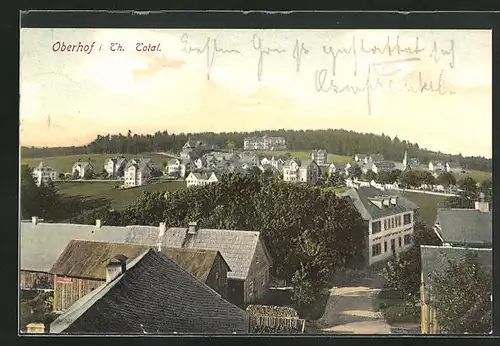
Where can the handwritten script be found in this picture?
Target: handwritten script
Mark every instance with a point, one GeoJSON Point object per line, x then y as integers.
{"type": "Point", "coordinates": [359, 67]}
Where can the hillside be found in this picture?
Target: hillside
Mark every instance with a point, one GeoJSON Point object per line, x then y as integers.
{"type": "Point", "coordinates": [339, 142]}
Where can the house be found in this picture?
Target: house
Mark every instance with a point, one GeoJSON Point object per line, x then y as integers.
{"type": "Point", "coordinates": [388, 218]}
{"type": "Point", "coordinates": [43, 174]}
{"type": "Point", "coordinates": [453, 167]}
{"type": "Point", "coordinates": [465, 227]}
{"type": "Point", "coordinates": [151, 295]}
{"type": "Point", "coordinates": [296, 171]}
{"type": "Point", "coordinates": [383, 166]}
{"type": "Point", "coordinates": [244, 251]}
{"type": "Point", "coordinates": [360, 157]}
{"type": "Point", "coordinates": [179, 166]}
{"type": "Point", "coordinates": [115, 166]}
{"type": "Point", "coordinates": [320, 157]}
{"type": "Point", "coordinates": [138, 172]}
{"type": "Point", "coordinates": [264, 143]}
{"type": "Point", "coordinates": [277, 163]}
{"type": "Point", "coordinates": [200, 162]}
{"type": "Point", "coordinates": [40, 245]}
{"type": "Point", "coordinates": [81, 267]}
{"type": "Point", "coordinates": [435, 166]}
{"type": "Point", "coordinates": [265, 161]}
{"type": "Point", "coordinates": [435, 260]}
{"type": "Point", "coordinates": [249, 161]}
{"type": "Point", "coordinates": [374, 158]}
{"type": "Point", "coordinates": [201, 178]}
{"type": "Point", "coordinates": [81, 168]}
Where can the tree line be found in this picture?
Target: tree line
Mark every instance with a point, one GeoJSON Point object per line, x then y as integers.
{"type": "Point", "coordinates": [340, 142]}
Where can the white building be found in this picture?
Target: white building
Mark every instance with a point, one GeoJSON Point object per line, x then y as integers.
{"type": "Point", "coordinates": [389, 218]}
{"type": "Point", "coordinates": [43, 174]}
{"type": "Point", "coordinates": [435, 166]}
{"type": "Point", "coordinates": [264, 143]}
{"type": "Point", "coordinates": [81, 168]}
{"type": "Point", "coordinates": [138, 172]}
{"type": "Point", "coordinates": [319, 156]}
{"type": "Point", "coordinates": [295, 171]}
{"type": "Point", "coordinates": [115, 166]}
{"type": "Point", "coordinates": [201, 178]}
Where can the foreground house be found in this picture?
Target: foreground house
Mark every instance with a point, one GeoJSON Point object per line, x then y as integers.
{"type": "Point", "coordinates": [435, 260]}
{"type": "Point", "coordinates": [296, 171]}
{"type": "Point", "coordinates": [138, 172]}
{"type": "Point", "coordinates": [465, 227]}
{"type": "Point", "coordinates": [244, 251]}
{"type": "Point", "coordinates": [43, 174]}
{"type": "Point", "coordinates": [115, 166]}
{"type": "Point", "coordinates": [81, 267]}
{"type": "Point", "coordinates": [389, 220]}
{"type": "Point", "coordinates": [81, 168]}
{"type": "Point", "coordinates": [151, 295]}
{"type": "Point", "coordinates": [42, 243]}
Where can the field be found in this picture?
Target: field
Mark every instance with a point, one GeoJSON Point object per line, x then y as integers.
{"type": "Point", "coordinates": [65, 163]}
{"type": "Point", "coordinates": [305, 155]}
{"type": "Point", "coordinates": [119, 198]}
{"type": "Point", "coordinates": [428, 205]}
{"type": "Point", "coordinates": [478, 176]}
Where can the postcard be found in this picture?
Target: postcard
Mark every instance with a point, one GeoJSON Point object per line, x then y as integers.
{"type": "Point", "coordinates": [249, 181]}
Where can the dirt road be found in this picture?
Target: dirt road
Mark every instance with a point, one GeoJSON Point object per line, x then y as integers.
{"type": "Point", "coordinates": [351, 306]}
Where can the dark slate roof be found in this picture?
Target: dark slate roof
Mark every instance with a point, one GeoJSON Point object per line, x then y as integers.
{"type": "Point", "coordinates": [377, 157]}
{"type": "Point", "coordinates": [435, 258]}
{"type": "Point", "coordinates": [156, 296]}
{"type": "Point", "coordinates": [236, 247]}
{"type": "Point", "coordinates": [41, 244]}
{"type": "Point", "coordinates": [465, 226]}
{"type": "Point", "coordinates": [361, 199]}
{"type": "Point", "coordinates": [454, 164]}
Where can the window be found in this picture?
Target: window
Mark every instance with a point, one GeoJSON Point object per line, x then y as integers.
{"type": "Point", "coordinates": [400, 242]}
{"type": "Point", "coordinates": [385, 246]}
{"type": "Point", "coordinates": [407, 219]}
{"type": "Point", "coordinates": [385, 224]}
{"type": "Point", "coordinates": [376, 250]}
{"type": "Point", "coordinates": [376, 227]}
{"type": "Point", "coordinates": [407, 239]}
{"type": "Point", "coordinates": [392, 222]}
{"type": "Point", "coordinates": [393, 244]}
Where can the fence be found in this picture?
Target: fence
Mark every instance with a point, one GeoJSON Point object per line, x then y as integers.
{"type": "Point", "coordinates": [290, 323]}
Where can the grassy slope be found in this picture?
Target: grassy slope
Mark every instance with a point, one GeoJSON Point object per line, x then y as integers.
{"type": "Point", "coordinates": [478, 176]}
{"type": "Point", "coordinates": [118, 197]}
{"type": "Point", "coordinates": [65, 163]}
{"type": "Point", "coordinates": [428, 205]}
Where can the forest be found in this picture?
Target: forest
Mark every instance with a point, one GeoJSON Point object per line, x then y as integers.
{"type": "Point", "coordinates": [339, 142]}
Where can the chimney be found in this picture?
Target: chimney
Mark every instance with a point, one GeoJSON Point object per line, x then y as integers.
{"type": "Point", "coordinates": [394, 200]}
{"type": "Point", "coordinates": [193, 227]}
{"type": "Point", "coordinates": [161, 233]}
{"type": "Point", "coordinates": [98, 223]}
{"type": "Point", "coordinates": [35, 328]}
{"type": "Point", "coordinates": [116, 267]}
{"type": "Point", "coordinates": [481, 204]}
{"type": "Point", "coordinates": [34, 220]}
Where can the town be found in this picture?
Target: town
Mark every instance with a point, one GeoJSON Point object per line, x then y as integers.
{"type": "Point", "coordinates": [259, 239]}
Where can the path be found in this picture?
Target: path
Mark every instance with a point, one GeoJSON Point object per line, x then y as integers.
{"type": "Point", "coordinates": [351, 307]}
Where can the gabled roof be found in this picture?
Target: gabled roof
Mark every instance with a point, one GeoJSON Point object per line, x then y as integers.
{"type": "Point", "coordinates": [154, 295]}
{"type": "Point", "coordinates": [361, 156]}
{"type": "Point", "coordinates": [82, 164]}
{"type": "Point", "coordinates": [465, 226]}
{"type": "Point", "coordinates": [435, 259]}
{"type": "Point", "coordinates": [362, 196]}
{"type": "Point", "coordinates": [319, 151]}
{"type": "Point", "coordinates": [237, 247]}
{"type": "Point", "coordinates": [198, 262]}
{"type": "Point", "coordinates": [88, 259]}
{"type": "Point", "coordinates": [377, 157]}
{"type": "Point", "coordinates": [41, 244]}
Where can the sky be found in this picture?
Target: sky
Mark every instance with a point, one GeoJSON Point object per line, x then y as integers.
{"type": "Point", "coordinates": [433, 87]}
